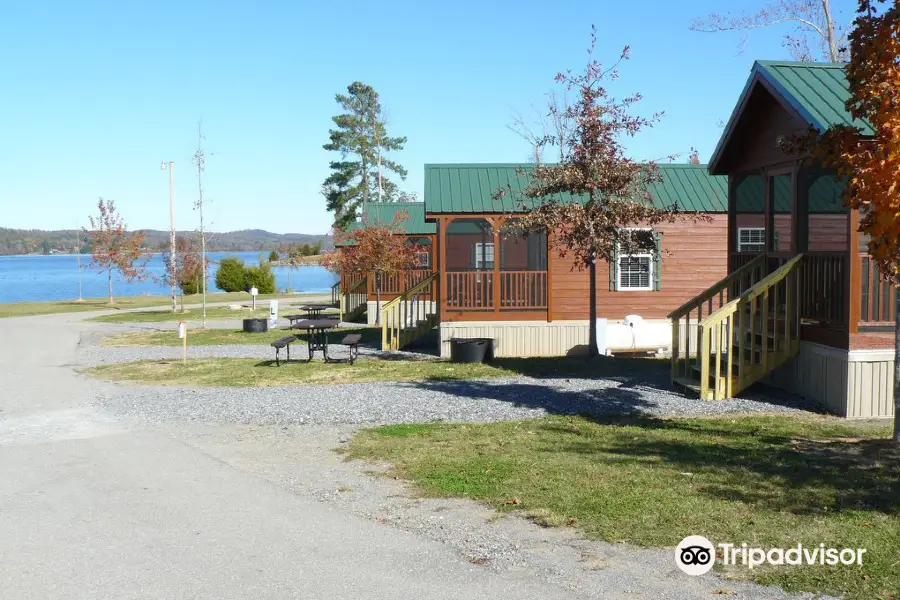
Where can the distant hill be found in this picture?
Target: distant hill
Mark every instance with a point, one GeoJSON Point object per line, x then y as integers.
{"type": "Point", "coordinates": [35, 241]}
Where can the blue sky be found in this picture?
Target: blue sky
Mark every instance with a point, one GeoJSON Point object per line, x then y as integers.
{"type": "Point", "coordinates": [96, 94]}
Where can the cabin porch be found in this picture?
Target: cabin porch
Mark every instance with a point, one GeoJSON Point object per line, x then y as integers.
{"type": "Point", "coordinates": [802, 306]}
{"type": "Point", "coordinates": [490, 271]}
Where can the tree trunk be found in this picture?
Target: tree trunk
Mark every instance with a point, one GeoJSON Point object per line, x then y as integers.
{"type": "Point", "coordinates": [897, 369]}
{"type": "Point", "coordinates": [109, 277]}
{"type": "Point", "coordinates": [592, 313]}
{"type": "Point", "coordinates": [829, 31]}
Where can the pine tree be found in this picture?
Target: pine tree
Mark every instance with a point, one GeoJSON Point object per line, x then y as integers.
{"type": "Point", "coordinates": [361, 137]}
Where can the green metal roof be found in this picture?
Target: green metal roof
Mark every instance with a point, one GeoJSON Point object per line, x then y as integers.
{"type": "Point", "coordinates": [384, 213]}
{"type": "Point", "coordinates": [469, 188]}
{"type": "Point", "coordinates": [818, 92]}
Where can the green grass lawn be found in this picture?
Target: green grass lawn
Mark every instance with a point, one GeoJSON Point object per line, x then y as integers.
{"type": "Point", "coordinates": [22, 309]}
{"type": "Point", "coordinates": [767, 481]}
{"type": "Point", "coordinates": [240, 372]}
{"type": "Point", "coordinates": [218, 337]}
{"type": "Point", "coordinates": [196, 314]}
{"type": "Point", "coordinates": [189, 314]}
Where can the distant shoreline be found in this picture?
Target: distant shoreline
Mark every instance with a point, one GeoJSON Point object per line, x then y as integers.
{"type": "Point", "coordinates": [300, 261]}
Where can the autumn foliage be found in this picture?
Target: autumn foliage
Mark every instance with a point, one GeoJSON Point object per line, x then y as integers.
{"type": "Point", "coordinates": [615, 207]}
{"type": "Point", "coordinates": [872, 165]}
{"type": "Point", "coordinates": [375, 249]}
{"type": "Point", "coordinates": [113, 248]}
{"type": "Point", "coordinates": [188, 266]}
{"type": "Point", "coordinates": [870, 161]}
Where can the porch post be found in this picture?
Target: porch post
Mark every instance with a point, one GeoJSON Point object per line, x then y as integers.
{"type": "Point", "coordinates": [800, 210]}
{"type": "Point", "coordinates": [496, 224]}
{"type": "Point", "coordinates": [549, 291]}
{"type": "Point", "coordinates": [853, 277]}
{"type": "Point", "coordinates": [769, 189]}
{"type": "Point", "coordinates": [732, 221]}
{"type": "Point", "coordinates": [441, 266]}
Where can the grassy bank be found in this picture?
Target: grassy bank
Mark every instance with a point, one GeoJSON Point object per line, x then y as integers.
{"type": "Point", "coordinates": [23, 309]}
{"type": "Point", "coordinates": [195, 314]}
{"type": "Point", "coordinates": [239, 372]}
{"type": "Point", "coordinates": [768, 481]}
{"type": "Point", "coordinates": [220, 337]}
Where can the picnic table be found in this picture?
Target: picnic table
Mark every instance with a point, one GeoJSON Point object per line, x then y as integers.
{"type": "Point", "coordinates": [314, 311]}
{"type": "Point", "coordinates": [317, 334]}
{"type": "Point", "coordinates": [310, 312]}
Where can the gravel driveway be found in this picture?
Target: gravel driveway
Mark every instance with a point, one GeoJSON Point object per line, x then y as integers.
{"type": "Point", "coordinates": [371, 403]}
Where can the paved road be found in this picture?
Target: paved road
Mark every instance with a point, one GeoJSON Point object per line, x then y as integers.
{"type": "Point", "coordinates": [91, 509]}
{"type": "Point", "coordinates": [93, 506]}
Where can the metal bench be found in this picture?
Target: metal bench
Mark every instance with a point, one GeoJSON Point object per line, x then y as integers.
{"type": "Point", "coordinates": [352, 341]}
{"type": "Point", "coordinates": [284, 342]}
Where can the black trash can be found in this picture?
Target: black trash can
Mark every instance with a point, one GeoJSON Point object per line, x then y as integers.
{"type": "Point", "coordinates": [256, 325]}
{"type": "Point", "coordinates": [471, 350]}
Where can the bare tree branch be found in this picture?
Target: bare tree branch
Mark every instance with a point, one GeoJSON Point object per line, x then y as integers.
{"type": "Point", "coordinates": [812, 19]}
{"type": "Point", "coordinates": [526, 129]}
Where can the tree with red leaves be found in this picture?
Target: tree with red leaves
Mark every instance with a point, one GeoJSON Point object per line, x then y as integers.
{"type": "Point", "coordinates": [616, 207]}
{"type": "Point", "coordinates": [871, 166]}
{"type": "Point", "coordinates": [377, 249]}
{"type": "Point", "coordinates": [113, 248]}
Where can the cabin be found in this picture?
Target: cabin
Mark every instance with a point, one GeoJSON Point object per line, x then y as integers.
{"type": "Point", "coordinates": [358, 289]}
{"type": "Point", "coordinates": [488, 280]}
{"type": "Point", "coordinates": [802, 307]}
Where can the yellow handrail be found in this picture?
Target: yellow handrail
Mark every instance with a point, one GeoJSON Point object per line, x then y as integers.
{"type": "Point", "coordinates": [761, 286]}
{"type": "Point", "coordinates": [706, 299]}
{"type": "Point", "coordinates": [711, 336]}
{"type": "Point", "coordinates": [391, 327]}
{"type": "Point", "coordinates": [716, 288]}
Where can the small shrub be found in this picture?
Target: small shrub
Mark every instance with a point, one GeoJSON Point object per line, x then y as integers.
{"type": "Point", "coordinates": [189, 288]}
{"type": "Point", "coordinates": [261, 277]}
{"type": "Point", "coordinates": [231, 275]}
{"type": "Point", "coordinates": [273, 256]}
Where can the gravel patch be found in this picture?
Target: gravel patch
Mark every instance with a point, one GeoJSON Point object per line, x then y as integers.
{"type": "Point", "coordinates": [382, 403]}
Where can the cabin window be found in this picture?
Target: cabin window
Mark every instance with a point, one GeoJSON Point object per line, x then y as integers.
{"type": "Point", "coordinates": [634, 272]}
{"type": "Point", "coordinates": [751, 239]}
{"type": "Point", "coordinates": [640, 271]}
{"type": "Point", "coordinates": [423, 259]}
{"type": "Point", "coordinates": [483, 256]}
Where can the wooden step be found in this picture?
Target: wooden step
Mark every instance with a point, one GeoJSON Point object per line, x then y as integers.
{"type": "Point", "coordinates": [694, 385]}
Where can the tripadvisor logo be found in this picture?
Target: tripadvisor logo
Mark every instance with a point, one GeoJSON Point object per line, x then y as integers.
{"type": "Point", "coordinates": [696, 555]}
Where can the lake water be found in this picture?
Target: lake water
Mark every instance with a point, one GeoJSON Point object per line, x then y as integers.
{"type": "Point", "coordinates": [55, 277]}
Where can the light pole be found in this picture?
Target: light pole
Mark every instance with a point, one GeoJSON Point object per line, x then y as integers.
{"type": "Point", "coordinates": [78, 262]}
{"type": "Point", "coordinates": [173, 272]}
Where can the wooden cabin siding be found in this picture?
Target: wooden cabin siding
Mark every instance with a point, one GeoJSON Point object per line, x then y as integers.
{"type": "Point", "coordinates": [827, 232]}
{"type": "Point", "coordinates": [754, 142]}
{"type": "Point", "coordinates": [697, 259]}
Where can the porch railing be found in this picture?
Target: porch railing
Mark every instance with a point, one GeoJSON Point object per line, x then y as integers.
{"type": "Point", "coordinates": [410, 315]}
{"type": "Point", "coordinates": [751, 335]}
{"type": "Point", "coordinates": [685, 343]}
{"type": "Point", "coordinates": [518, 290]}
{"type": "Point", "coordinates": [397, 283]}
{"type": "Point", "coordinates": [523, 290]}
{"type": "Point", "coordinates": [336, 293]}
{"type": "Point", "coordinates": [824, 293]}
{"type": "Point", "coordinates": [354, 301]}
{"type": "Point", "coordinates": [877, 300]}
{"type": "Point", "coordinates": [470, 290]}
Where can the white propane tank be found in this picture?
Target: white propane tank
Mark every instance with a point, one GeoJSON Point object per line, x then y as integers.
{"type": "Point", "coordinates": [634, 321]}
